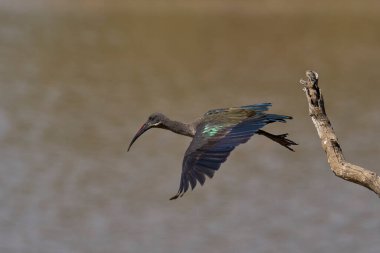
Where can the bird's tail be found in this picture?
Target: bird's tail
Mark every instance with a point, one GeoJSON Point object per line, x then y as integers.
{"type": "Point", "coordinates": [270, 118]}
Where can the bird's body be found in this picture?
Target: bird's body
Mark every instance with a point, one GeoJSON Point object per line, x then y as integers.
{"type": "Point", "coordinates": [215, 135]}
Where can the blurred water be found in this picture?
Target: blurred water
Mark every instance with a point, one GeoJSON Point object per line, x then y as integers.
{"type": "Point", "coordinates": [76, 84]}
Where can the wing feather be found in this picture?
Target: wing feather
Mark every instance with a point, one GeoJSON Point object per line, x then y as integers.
{"type": "Point", "coordinates": [219, 133]}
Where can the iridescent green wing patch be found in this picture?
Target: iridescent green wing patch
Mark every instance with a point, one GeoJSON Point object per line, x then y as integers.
{"type": "Point", "coordinates": [210, 130]}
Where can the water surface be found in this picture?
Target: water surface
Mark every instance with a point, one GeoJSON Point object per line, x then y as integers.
{"type": "Point", "coordinates": [77, 83]}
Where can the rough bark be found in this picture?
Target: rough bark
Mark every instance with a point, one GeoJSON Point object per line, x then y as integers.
{"type": "Point", "coordinates": [335, 158]}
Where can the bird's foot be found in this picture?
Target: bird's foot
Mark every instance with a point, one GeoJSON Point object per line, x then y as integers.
{"type": "Point", "coordinates": [280, 139]}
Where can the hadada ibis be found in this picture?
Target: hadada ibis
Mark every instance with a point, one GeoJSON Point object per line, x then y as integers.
{"type": "Point", "coordinates": [215, 135]}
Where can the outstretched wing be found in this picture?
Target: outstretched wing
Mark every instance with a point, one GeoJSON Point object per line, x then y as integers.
{"type": "Point", "coordinates": [215, 138]}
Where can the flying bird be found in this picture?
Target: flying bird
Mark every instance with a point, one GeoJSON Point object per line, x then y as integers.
{"type": "Point", "coordinates": [215, 135]}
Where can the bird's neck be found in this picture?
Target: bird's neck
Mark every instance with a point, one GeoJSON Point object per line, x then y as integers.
{"type": "Point", "coordinates": [179, 127]}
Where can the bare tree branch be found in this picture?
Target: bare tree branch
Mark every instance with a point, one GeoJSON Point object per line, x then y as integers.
{"type": "Point", "coordinates": [335, 158]}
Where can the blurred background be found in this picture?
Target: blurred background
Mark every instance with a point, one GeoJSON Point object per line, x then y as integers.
{"type": "Point", "coordinates": [78, 79]}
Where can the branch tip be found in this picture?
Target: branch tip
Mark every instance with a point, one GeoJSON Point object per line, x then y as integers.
{"type": "Point", "coordinates": [335, 158]}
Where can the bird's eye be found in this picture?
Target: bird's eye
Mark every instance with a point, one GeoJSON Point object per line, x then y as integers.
{"type": "Point", "coordinates": [154, 120]}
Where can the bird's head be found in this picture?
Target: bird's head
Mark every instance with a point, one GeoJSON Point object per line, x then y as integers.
{"type": "Point", "coordinates": [155, 120]}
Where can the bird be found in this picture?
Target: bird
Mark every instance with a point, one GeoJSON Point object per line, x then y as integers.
{"type": "Point", "coordinates": [214, 136]}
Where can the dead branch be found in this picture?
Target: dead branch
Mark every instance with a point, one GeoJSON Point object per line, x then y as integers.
{"type": "Point", "coordinates": [335, 158]}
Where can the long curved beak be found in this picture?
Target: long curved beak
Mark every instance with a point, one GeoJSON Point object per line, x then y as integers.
{"type": "Point", "coordinates": [142, 130]}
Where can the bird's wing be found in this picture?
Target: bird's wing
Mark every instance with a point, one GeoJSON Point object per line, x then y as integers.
{"type": "Point", "coordinates": [215, 138]}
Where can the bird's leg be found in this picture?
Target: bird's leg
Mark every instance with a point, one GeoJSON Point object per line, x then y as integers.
{"type": "Point", "coordinates": [280, 139]}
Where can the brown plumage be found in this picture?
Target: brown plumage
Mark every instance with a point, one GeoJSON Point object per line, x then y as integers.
{"type": "Point", "coordinates": [215, 135]}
